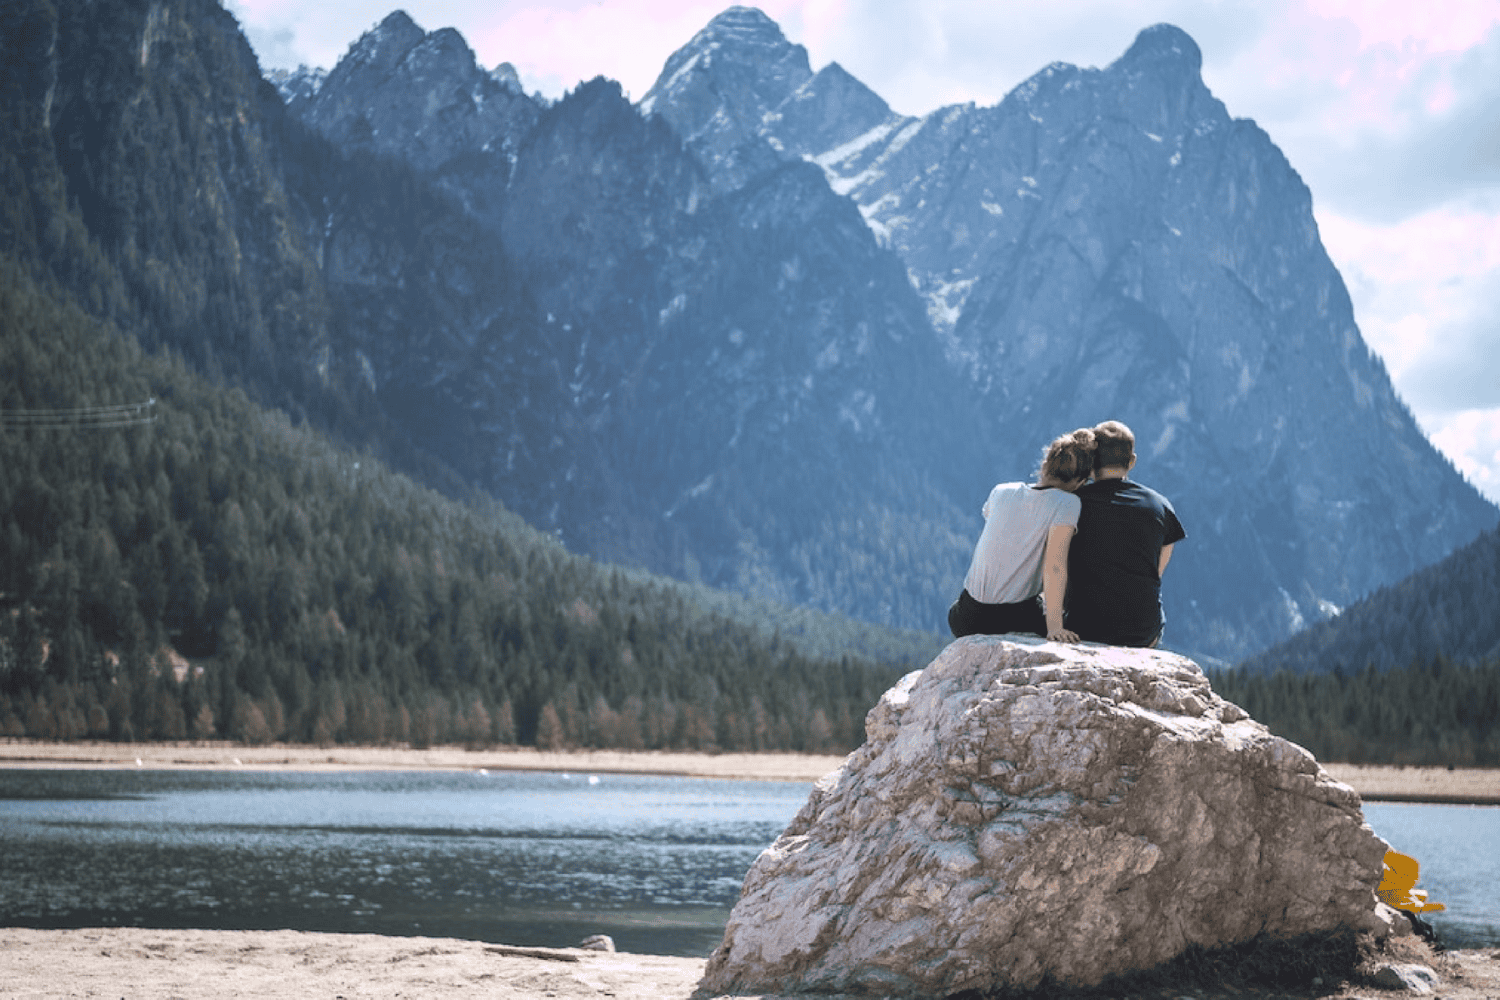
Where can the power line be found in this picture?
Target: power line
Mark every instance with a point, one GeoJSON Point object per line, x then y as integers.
{"type": "Point", "coordinates": [80, 417]}
{"type": "Point", "coordinates": [81, 410]}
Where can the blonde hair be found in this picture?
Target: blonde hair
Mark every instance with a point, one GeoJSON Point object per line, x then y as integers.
{"type": "Point", "coordinates": [1070, 456]}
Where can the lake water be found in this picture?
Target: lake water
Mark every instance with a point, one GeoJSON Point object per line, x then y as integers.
{"type": "Point", "coordinates": [1459, 851]}
{"type": "Point", "coordinates": [527, 859]}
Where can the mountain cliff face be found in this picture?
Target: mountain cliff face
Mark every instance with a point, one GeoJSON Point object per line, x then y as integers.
{"type": "Point", "coordinates": [153, 173]}
{"type": "Point", "coordinates": [726, 81]}
{"type": "Point", "coordinates": [422, 98]}
{"type": "Point", "coordinates": [739, 93]}
{"type": "Point", "coordinates": [758, 330]}
{"type": "Point", "coordinates": [1110, 243]}
{"type": "Point", "coordinates": [734, 358]}
{"type": "Point", "coordinates": [144, 132]}
{"type": "Point", "coordinates": [739, 361]}
{"type": "Point", "coordinates": [414, 95]}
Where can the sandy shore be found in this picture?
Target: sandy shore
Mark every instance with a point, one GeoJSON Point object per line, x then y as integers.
{"type": "Point", "coordinates": [136, 964]}
{"type": "Point", "coordinates": [1480, 786]}
{"type": "Point", "coordinates": [1472, 786]}
{"type": "Point", "coordinates": [228, 756]}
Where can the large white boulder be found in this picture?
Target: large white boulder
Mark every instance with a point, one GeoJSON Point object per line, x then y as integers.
{"type": "Point", "coordinates": [1026, 812]}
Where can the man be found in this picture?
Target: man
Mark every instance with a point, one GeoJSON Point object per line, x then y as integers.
{"type": "Point", "coordinates": [1125, 536]}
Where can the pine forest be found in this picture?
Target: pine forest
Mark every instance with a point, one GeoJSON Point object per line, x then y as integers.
{"type": "Point", "coordinates": [201, 568]}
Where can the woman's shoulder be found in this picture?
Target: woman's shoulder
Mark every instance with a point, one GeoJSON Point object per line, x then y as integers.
{"type": "Point", "coordinates": [1058, 506]}
{"type": "Point", "coordinates": [1045, 500]}
{"type": "Point", "coordinates": [1000, 489]}
{"type": "Point", "coordinates": [1066, 500]}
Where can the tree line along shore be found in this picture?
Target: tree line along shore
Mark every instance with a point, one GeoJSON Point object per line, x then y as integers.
{"type": "Point", "coordinates": [225, 572]}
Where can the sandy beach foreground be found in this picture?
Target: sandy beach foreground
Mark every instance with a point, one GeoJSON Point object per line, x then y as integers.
{"type": "Point", "coordinates": [1478, 786]}
{"type": "Point", "coordinates": [136, 964]}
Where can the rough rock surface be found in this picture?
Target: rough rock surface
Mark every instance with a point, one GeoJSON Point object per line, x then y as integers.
{"type": "Point", "coordinates": [1024, 812]}
{"type": "Point", "coordinates": [1412, 978]}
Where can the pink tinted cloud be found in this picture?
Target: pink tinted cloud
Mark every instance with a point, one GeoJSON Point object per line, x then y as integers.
{"type": "Point", "coordinates": [1452, 26]}
{"type": "Point", "coordinates": [1441, 98]}
{"type": "Point", "coordinates": [554, 44]}
{"type": "Point", "coordinates": [1398, 53]}
{"type": "Point", "coordinates": [1417, 279]}
{"type": "Point", "coordinates": [561, 44]}
{"type": "Point", "coordinates": [1391, 61]}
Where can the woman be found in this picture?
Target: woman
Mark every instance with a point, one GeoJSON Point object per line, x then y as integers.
{"type": "Point", "coordinates": [1019, 572]}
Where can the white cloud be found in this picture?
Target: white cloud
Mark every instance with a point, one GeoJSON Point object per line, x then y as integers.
{"type": "Point", "coordinates": [560, 45]}
{"type": "Point", "coordinates": [1427, 297]}
{"type": "Point", "coordinates": [922, 55]}
{"type": "Point", "coordinates": [1426, 292]}
{"type": "Point", "coordinates": [1471, 438]}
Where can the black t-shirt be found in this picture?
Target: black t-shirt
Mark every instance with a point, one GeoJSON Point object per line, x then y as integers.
{"type": "Point", "coordinates": [1114, 587]}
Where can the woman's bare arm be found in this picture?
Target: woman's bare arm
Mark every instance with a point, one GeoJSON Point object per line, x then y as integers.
{"type": "Point", "coordinates": [1055, 581]}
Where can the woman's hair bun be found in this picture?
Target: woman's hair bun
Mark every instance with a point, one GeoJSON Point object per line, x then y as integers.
{"type": "Point", "coordinates": [1070, 456]}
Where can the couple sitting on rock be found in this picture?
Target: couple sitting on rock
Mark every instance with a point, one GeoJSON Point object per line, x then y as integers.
{"type": "Point", "coordinates": [1029, 573]}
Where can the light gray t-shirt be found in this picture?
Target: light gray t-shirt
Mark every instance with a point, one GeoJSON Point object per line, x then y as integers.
{"type": "Point", "coordinates": [1007, 563]}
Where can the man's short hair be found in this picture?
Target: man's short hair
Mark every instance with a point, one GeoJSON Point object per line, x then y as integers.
{"type": "Point", "coordinates": [1114, 445]}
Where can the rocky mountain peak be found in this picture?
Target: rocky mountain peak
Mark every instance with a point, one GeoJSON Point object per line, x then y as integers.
{"type": "Point", "coordinates": [397, 22]}
{"type": "Point", "coordinates": [745, 27]}
{"type": "Point", "coordinates": [835, 77]}
{"type": "Point", "coordinates": [420, 96]}
{"type": "Point", "coordinates": [445, 53]}
{"type": "Point", "coordinates": [719, 89]}
{"type": "Point", "coordinates": [829, 110]}
{"type": "Point", "coordinates": [742, 51]}
{"type": "Point", "coordinates": [1163, 48]}
{"type": "Point", "coordinates": [385, 45]}
{"type": "Point", "coordinates": [448, 40]}
{"type": "Point", "coordinates": [390, 47]}
{"type": "Point", "coordinates": [297, 86]}
{"type": "Point", "coordinates": [505, 74]}
{"type": "Point", "coordinates": [1091, 216]}
{"type": "Point", "coordinates": [602, 103]}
